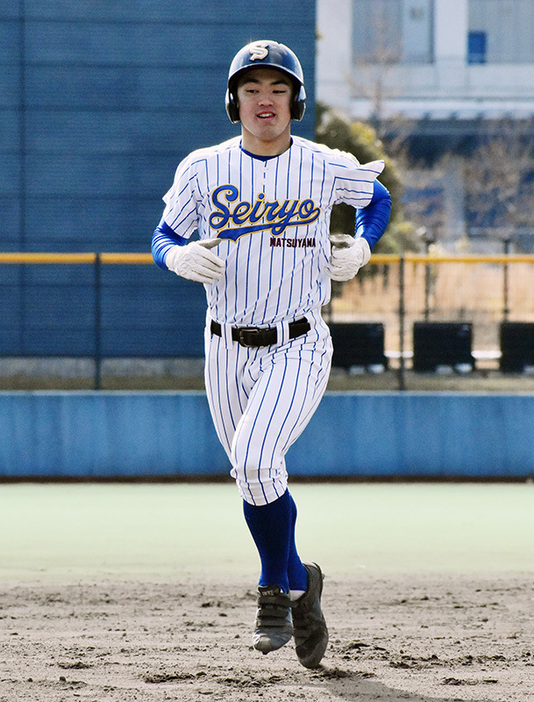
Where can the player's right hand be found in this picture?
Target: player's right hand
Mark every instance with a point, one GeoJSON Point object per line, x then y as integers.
{"type": "Point", "coordinates": [195, 261]}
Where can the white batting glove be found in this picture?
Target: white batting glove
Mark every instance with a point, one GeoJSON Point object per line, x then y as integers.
{"type": "Point", "coordinates": [347, 256]}
{"type": "Point", "coordinates": [195, 261]}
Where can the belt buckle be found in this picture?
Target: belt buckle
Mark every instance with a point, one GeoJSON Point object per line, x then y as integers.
{"type": "Point", "coordinates": [247, 332]}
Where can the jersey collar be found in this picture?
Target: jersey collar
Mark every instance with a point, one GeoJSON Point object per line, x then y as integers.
{"type": "Point", "coordinates": [262, 158]}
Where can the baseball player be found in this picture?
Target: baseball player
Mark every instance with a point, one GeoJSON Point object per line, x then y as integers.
{"type": "Point", "coordinates": [261, 204]}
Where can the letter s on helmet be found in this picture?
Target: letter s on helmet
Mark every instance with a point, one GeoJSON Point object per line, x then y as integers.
{"type": "Point", "coordinates": [273, 55]}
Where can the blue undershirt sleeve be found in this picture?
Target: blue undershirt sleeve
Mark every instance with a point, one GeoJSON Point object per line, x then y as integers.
{"type": "Point", "coordinates": [162, 240]}
{"type": "Point", "coordinates": [371, 221]}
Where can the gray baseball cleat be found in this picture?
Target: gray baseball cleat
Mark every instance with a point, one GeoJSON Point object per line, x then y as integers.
{"type": "Point", "coordinates": [273, 626]}
{"type": "Point", "coordinates": [310, 631]}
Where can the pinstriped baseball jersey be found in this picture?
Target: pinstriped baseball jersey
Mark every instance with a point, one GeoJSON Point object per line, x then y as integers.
{"type": "Point", "coordinates": [272, 214]}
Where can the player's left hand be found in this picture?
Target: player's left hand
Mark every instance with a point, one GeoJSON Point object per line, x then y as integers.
{"type": "Point", "coordinates": [347, 256]}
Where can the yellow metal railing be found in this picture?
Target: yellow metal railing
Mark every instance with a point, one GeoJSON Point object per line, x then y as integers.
{"type": "Point", "coordinates": [146, 258]}
{"type": "Point", "coordinates": [76, 258]}
{"type": "Point", "coordinates": [58, 258]}
{"type": "Point", "coordinates": [472, 258]}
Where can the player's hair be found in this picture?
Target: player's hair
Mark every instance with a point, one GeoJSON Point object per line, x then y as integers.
{"type": "Point", "coordinates": [271, 54]}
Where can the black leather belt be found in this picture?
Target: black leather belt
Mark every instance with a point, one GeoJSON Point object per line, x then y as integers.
{"type": "Point", "coordinates": [262, 336]}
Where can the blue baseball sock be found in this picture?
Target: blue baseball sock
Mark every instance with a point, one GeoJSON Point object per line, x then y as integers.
{"type": "Point", "coordinates": [297, 573]}
{"type": "Point", "coordinates": [273, 529]}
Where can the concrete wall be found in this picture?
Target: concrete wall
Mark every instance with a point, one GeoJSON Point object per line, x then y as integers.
{"type": "Point", "coordinates": [114, 434]}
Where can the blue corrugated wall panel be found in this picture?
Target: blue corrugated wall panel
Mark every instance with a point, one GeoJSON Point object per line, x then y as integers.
{"type": "Point", "coordinates": [104, 99]}
{"type": "Point", "coordinates": [99, 103]}
{"type": "Point", "coordinates": [112, 434]}
{"type": "Point", "coordinates": [54, 312]}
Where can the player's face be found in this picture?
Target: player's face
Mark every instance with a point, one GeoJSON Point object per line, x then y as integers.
{"type": "Point", "coordinates": [264, 99]}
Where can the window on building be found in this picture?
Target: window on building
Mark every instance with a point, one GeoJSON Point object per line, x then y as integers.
{"type": "Point", "coordinates": [376, 36]}
{"type": "Point", "coordinates": [507, 25]}
{"type": "Point", "coordinates": [476, 47]}
{"type": "Point", "coordinates": [392, 31]}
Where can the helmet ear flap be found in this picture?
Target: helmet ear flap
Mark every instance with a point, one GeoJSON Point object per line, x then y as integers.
{"type": "Point", "coordinates": [232, 108]}
{"type": "Point", "coordinates": [298, 108]}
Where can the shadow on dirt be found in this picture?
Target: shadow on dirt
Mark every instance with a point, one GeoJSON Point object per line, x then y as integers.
{"type": "Point", "coordinates": [348, 685]}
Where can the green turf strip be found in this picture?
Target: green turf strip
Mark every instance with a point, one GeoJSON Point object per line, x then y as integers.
{"type": "Point", "coordinates": [97, 531]}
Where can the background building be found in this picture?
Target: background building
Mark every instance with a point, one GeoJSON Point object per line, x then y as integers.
{"type": "Point", "coordinates": [443, 74]}
{"type": "Point", "coordinates": [427, 59]}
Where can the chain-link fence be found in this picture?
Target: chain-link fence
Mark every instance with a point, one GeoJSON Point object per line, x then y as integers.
{"type": "Point", "coordinates": [478, 293]}
{"type": "Point", "coordinates": [484, 290]}
{"type": "Point", "coordinates": [97, 306]}
{"type": "Point", "coordinates": [120, 305]}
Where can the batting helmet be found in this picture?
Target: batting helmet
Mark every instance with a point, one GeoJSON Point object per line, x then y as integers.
{"type": "Point", "coordinates": [273, 55]}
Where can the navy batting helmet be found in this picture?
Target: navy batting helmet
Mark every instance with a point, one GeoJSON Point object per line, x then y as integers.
{"type": "Point", "coordinates": [273, 55]}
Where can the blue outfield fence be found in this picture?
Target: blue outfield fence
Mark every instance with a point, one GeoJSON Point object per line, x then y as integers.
{"type": "Point", "coordinates": [134, 435]}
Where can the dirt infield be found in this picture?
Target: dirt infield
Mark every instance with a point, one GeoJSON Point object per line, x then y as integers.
{"type": "Point", "coordinates": [393, 638]}
{"type": "Point", "coordinates": [134, 592]}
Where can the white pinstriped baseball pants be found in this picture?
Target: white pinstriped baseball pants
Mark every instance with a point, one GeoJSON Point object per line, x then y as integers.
{"type": "Point", "coordinates": [261, 400]}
